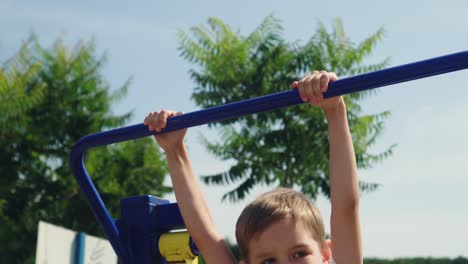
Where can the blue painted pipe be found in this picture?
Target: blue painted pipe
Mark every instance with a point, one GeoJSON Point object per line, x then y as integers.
{"type": "Point", "coordinates": [403, 73]}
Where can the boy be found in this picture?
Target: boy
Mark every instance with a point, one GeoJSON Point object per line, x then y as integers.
{"type": "Point", "coordinates": [281, 226]}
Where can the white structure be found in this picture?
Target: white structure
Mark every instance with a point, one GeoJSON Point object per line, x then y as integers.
{"type": "Point", "coordinates": [56, 245]}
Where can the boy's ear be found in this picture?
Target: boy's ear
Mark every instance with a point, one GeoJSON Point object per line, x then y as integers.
{"type": "Point", "coordinates": [327, 251]}
{"type": "Point", "coordinates": [243, 262]}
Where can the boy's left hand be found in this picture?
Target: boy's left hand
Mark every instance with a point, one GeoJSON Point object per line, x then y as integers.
{"type": "Point", "coordinates": [312, 86]}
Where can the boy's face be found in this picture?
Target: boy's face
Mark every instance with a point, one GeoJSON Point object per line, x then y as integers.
{"type": "Point", "coordinates": [287, 242]}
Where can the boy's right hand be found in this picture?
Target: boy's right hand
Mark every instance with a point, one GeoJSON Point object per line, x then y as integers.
{"type": "Point", "coordinates": [156, 121]}
{"type": "Point", "coordinates": [312, 86]}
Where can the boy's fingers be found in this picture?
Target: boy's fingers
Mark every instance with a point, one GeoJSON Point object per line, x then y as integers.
{"type": "Point", "coordinates": [158, 120]}
{"type": "Point", "coordinates": [162, 117]}
{"type": "Point", "coordinates": [316, 84]}
{"type": "Point", "coordinates": [324, 80]}
{"type": "Point", "coordinates": [312, 86]}
{"type": "Point", "coordinates": [152, 120]}
{"type": "Point", "coordinates": [295, 85]}
{"type": "Point", "coordinates": [301, 88]}
{"type": "Point", "coordinates": [149, 121]}
{"type": "Point", "coordinates": [308, 89]}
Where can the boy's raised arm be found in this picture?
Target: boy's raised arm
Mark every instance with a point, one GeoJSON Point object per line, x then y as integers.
{"type": "Point", "coordinates": [190, 199]}
{"type": "Point", "coordinates": [345, 227]}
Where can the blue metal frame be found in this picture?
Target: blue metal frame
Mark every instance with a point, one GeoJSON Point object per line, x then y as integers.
{"type": "Point", "coordinates": [143, 219]}
{"type": "Point", "coordinates": [407, 72]}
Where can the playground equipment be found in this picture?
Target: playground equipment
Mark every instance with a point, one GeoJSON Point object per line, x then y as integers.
{"type": "Point", "coordinates": [143, 233]}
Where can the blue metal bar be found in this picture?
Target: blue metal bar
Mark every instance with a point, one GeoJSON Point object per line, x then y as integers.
{"type": "Point", "coordinates": [404, 73]}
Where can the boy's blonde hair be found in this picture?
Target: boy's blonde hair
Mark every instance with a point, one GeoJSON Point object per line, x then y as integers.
{"type": "Point", "coordinates": [272, 207]}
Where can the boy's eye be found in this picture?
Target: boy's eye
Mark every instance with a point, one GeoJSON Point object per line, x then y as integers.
{"type": "Point", "coordinates": [299, 254]}
{"type": "Point", "coordinates": [268, 261]}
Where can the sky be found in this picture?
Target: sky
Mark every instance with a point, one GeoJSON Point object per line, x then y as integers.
{"type": "Point", "coordinates": [421, 206]}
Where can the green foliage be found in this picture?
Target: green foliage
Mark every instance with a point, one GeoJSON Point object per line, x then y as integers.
{"type": "Point", "coordinates": [14, 75]}
{"type": "Point", "coordinates": [127, 169]}
{"type": "Point", "coordinates": [49, 99]}
{"type": "Point", "coordinates": [15, 101]}
{"type": "Point", "coordinates": [287, 147]}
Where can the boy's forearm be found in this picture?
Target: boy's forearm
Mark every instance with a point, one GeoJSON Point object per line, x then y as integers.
{"type": "Point", "coordinates": [343, 170]}
{"type": "Point", "coordinates": [194, 209]}
{"type": "Point", "coordinates": [190, 199]}
{"type": "Point", "coordinates": [344, 190]}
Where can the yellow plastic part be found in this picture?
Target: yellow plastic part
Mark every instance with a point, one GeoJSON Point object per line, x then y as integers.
{"type": "Point", "coordinates": [175, 248]}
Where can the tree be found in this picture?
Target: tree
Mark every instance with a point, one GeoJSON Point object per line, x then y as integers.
{"type": "Point", "coordinates": [15, 101]}
{"type": "Point", "coordinates": [287, 147]}
{"type": "Point", "coordinates": [56, 96]}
